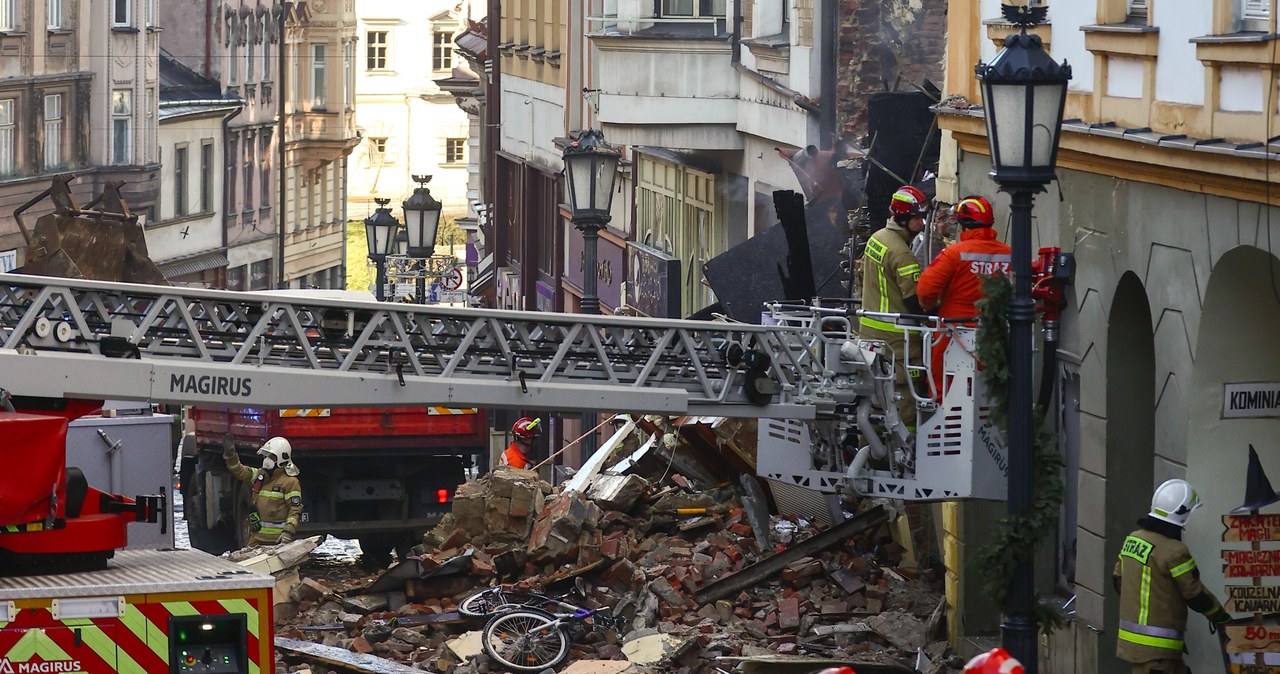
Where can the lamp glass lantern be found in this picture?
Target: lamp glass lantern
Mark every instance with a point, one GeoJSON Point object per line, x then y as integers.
{"type": "Point", "coordinates": [590, 167]}
{"type": "Point", "coordinates": [380, 230]}
{"type": "Point", "coordinates": [1024, 91]}
{"type": "Point", "coordinates": [422, 218]}
{"type": "Point", "coordinates": [400, 246]}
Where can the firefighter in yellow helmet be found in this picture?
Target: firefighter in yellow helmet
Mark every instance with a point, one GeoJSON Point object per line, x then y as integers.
{"type": "Point", "coordinates": [1158, 581]}
{"type": "Point", "coordinates": [277, 495]}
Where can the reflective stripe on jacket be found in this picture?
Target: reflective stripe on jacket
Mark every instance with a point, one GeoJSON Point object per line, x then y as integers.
{"type": "Point", "coordinates": [1157, 578]}
{"type": "Point", "coordinates": [276, 495]}
{"type": "Point", "coordinates": [953, 281]}
{"type": "Point", "coordinates": [889, 275]}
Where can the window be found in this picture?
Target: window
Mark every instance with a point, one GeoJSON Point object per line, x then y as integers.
{"type": "Point", "coordinates": [9, 14]}
{"type": "Point", "coordinates": [206, 176]}
{"type": "Point", "coordinates": [237, 277]}
{"type": "Point", "coordinates": [121, 126]}
{"type": "Point", "coordinates": [248, 62]}
{"type": "Point", "coordinates": [455, 150]}
{"type": "Point", "coordinates": [317, 76]}
{"type": "Point", "coordinates": [151, 13]}
{"type": "Point", "coordinates": [693, 8]}
{"type": "Point", "coordinates": [250, 167]}
{"type": "Point", "coordinates": [379, 147]}
{"type": "Point", "coordinates": [120, 12]}
{"type": "Point", "coordinates": [8, 125]}
{"type": "Point", "coordinates": [442, 53]}
{"type": "Point", "coordinates": [266, 48]}
{"type": "Point", "coordinates": [233, 63]}
{"type": "Point", "coordinates": [1256, 15]}
{"type": "Point", "coordinates": [229, 185]}
{"type": "Point", "coordinates": [179, 180]}
{"type": "Point", "coordinates": [260, 275]}
{"type": "Point", "coordinates": [265, 179]}
{"type": "Point", "coordinates": [53, 13]}
{"type": "Point", "coordinates": [52, 131]}
{"type": "Point", "coordinates": [1138, 10]}
{"type": "Point", "coordinates": [377, 49]}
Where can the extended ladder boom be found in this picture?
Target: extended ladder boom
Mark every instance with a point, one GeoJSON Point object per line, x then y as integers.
{"type": "Point", "coordinates": [76, 338]}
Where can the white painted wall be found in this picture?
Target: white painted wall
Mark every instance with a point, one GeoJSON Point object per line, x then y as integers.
{"type": "Point", "coordinates": [532, 116]}
{"type": "Point", "coordinates": [1067, 41]}
{"type": "Point", "coordinates": [1179, 75]}
{"type": "Point", "coordinates": [1124, 77]}
{"type": "Point", "coordinates": [987, 9]}
{"type": "Point", "coordinates": [1241, 89]}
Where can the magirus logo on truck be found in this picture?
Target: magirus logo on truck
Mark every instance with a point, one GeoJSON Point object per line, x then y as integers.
{"type": "Point", "coordinates": [52, 667]}
{"type": "Point", "coordinates": [210, 385]}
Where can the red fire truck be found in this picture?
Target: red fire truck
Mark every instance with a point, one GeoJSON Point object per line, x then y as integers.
{"type": "Point", "coordinates": [383, 475]}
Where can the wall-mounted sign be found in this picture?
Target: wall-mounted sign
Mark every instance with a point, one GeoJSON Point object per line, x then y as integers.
{"type": "Point", "coordinates": [653, 281]}
{"type": "Point", "coordinates": [1250, 400]}
{"type": "Point", "coordinates": [1250, 563]}
{"type": "Point", "coordinates": [611, 262]}
{"type": "Point", "coordinates": [1249, 528]}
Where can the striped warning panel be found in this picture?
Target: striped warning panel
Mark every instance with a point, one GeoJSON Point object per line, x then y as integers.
{"type": "Point", "coordinates": [134, 643]}
{"type": "Point", "coordinates": [311, 412]}
{"type": "Point", "coordinates": [20, 528]}
{"type": "Point", "coordinates": [442, 411]}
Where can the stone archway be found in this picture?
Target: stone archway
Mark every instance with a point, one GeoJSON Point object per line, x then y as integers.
{"type": "Point", "coordinates": [1236, 343]}
{"type": "Point", "coordinates": [1131, 396]}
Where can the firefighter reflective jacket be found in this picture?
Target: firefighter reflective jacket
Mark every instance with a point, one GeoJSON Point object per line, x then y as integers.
{"type": "Point", "coordinates": [277, 500]}
{"type": "Point", "coordinates": [514, 457]}
{"type": "Point", "coordinates": [889, 275]}
{"type": "Point", "coordinates": [1158, 581]}
{"type": "Point", "coordinates": [953, 281]}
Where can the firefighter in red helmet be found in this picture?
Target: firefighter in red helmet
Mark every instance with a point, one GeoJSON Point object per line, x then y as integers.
{"type": "Point", "coordinates": [889, 275]}
{"type": "Point", "coordinates": [525, 430]}
{"type": "Point", "coordinates": [952, 284]}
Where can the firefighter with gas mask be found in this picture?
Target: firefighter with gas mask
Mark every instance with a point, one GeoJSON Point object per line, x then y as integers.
{"type": "Point", "coordinates": [1158, 581]}
{"type": "Point", "coordinates": [277, 495]}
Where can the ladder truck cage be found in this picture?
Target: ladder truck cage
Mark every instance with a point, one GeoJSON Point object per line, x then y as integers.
{"type": "Point", "coordinates": [805, 370]}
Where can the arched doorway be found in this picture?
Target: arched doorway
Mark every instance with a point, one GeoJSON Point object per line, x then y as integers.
{"type": "Point", "coordinates": [1131, 395]}
{"type": "Point", "coordinates": [1236, 343]}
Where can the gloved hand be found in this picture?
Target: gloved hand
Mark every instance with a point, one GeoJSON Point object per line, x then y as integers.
{"type": "Point", "coordinates": [286, 537]}
{"type": "Point", "coordinates": [228, 445]}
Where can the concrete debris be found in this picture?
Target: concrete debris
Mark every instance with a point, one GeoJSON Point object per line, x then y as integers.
{"type": "Point", "coordinates": [645, 557]}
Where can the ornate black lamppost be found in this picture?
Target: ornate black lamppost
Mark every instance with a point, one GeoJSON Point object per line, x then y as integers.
{"type": "Point", "coordinates": [380, 231]}
{"type": "Point", "coordinates": [590, 166]}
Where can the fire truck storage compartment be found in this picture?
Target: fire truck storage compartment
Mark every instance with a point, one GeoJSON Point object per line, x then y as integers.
{"type": "Point", "coordinates": [128, 455]}
{"type": "Point", "coordinates": [34, 449]}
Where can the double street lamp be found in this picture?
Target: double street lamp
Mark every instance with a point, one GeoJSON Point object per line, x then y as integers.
{"type": "Point", "coordinates": [416, 241]}
{"type": "Point", "coordinates": [1023, 93]}
{"type": "Point", "coordinates": [590, 167]}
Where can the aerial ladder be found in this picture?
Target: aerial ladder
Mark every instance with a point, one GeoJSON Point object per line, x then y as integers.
{"type": "Point", "coordinates": [826, 396]}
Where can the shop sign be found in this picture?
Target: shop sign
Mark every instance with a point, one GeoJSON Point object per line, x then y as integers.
{"type": "Point", "coordinates": [653, 281]}
{"type": "Point", "coordinates": [1249, 528]}
{"type": "Point", "coordinates": [1253, 599]}
{"type": "Point", "coordinates": [1250, 563]}
{"type": "Point", "coordinates": [1251, 400]}
{"type": "Point", "coordinates": [611, 261]}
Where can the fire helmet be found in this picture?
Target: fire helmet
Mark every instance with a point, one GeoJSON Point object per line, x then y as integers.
{"type": "Point", "coordinates": [527, 428]}
{"type": "Point", "coordinates": [1174, 501]}
{"type": "Point", "coordinates": [994, 661]}
{"type": "Point", "coordinates": [908, 202]}
{"type": "Point", "coordinates": [974, 211]}
{"type": "Point", "coordinates": [277, 452]}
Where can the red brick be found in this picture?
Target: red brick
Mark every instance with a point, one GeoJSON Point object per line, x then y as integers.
{"type": "Point", "coordinates": [788, 613]}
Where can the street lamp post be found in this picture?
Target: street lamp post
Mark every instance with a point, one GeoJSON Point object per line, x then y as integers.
{"type": "Point", "coordinates": [380, 232]}
{"type": "Point", "coordinates": [1023, 93]}
{"type": "Point", "coordinates": [422, 222]}
{"type": "Point", "coordinates": [590, 166]}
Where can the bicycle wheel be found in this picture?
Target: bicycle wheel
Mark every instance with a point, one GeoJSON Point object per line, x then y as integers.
{"type": "Point", "coordinates": [525, 640]}
{"type": "Point", "coordinates": [491, 601]}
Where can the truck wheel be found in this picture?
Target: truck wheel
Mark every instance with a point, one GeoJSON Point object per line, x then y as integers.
{"type": "Point", "coordinates": [194, 501]}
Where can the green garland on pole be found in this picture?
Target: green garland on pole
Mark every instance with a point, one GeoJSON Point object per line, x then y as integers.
{"type": "Point", "coordinates": [1017, 537]}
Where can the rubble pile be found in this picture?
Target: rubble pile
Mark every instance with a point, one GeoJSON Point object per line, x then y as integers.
{"type": "Point", "coordinates": [647, 556]}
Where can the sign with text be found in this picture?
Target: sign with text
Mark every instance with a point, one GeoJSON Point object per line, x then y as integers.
{"type": "Point", "coordinates": [653, 281]}
{"type": "Point", "coordinates": [1253, 638]}
{"type": "Point", "coordinates": [1242, 668]}
{"type": "Point", "coordinates": [1251, 400]}
{"type": "Point", "coordinates": [1250, 563]}
{"type": "Point", "coordinates": [1252, 599]}
{"type": "Point", "coordinates": [1250, 528]}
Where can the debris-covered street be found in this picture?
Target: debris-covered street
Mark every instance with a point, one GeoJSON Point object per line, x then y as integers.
{"type": "Point", "coordinates": [692, 583]}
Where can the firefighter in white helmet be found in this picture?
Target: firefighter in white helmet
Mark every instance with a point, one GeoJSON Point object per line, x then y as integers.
{"type": "Point", "coordinates": [1158, 581]}
{"type": "Point", "coordinates": [277, 495]}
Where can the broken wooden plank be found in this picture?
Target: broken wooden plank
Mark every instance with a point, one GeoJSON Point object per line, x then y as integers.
{"type": "Point", "coordinates": [342, 658]}
{"type": "Point", "coordinates": [756, 573]}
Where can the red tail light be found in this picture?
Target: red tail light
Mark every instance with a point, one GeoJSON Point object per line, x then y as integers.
{"type": "Point", "coordinates": [442, 495]}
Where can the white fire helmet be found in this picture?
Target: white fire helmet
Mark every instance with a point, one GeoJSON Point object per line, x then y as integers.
{"type": "Point", "coordinates": [1174, 501]}
{"type": "Point", "coordinates": [277, 452]}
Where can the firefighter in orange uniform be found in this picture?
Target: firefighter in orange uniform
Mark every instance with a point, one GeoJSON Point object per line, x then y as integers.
{"type": "Point", "coordinates": [525, 430]}
{"type": "Point", "coordinates": [952, 284]}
